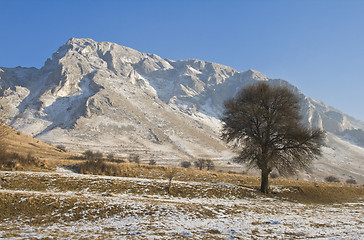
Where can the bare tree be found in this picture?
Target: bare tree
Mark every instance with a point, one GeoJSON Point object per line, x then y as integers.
{"type": "Point", "coordinates": [210, 165]}
{"type": "Point", "coordinates": [171, 172]}
{"type": "Point", "coordinates": [200, 163]}
{"type": "Point", "coordinates": [264, 122]}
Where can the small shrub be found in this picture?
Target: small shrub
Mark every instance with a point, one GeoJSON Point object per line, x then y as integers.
{"type": "Point", "coordinates": [15, 161]}
{"type": "Point", "coordinates": [117, 160]}
{"type": "Point", "coordinates": [88, 154]}
{"type": "Point", "coordinates": [152, 162]}
{"type": "Point", "coordinates": [110, 157]}
{"type": "Point", "coordinates": [61, 148]}
{"type": "Point", "coordinates": [134, 158]}
{"type": "Point", "coordinates": [98, 155]}
{"type": "Point", "coordinates": [99, 167]}
{"type": "Point", "coordinates": [186, 164]}
{"type": "Point", "coordinates": [332, 179]}
{"type": "Point", "coordinates": [351, 181]}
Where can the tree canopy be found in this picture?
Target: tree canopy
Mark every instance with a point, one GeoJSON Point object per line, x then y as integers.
{"type": "Point", "coordinates": [264, 121]}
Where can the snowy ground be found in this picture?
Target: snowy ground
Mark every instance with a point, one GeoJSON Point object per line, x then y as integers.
{"type": "Point", "coordinates": [94, 213]}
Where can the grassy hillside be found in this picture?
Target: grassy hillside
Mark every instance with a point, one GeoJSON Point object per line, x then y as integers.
{"type": "Point", "coordinates": [18, 142]}
{"type": "Point", "coordinates": [22, 145]}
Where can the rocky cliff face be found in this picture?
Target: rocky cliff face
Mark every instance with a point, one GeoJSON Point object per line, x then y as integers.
{"type": "Point", "coordinates": [105, 96]}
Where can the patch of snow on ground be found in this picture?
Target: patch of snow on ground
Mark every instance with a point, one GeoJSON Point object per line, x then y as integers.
{"type": "Point", "coordinates": [164, 217]}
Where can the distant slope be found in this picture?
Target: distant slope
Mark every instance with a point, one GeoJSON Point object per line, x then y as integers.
{"type": "Point", "coordinates": [17, 142]}
{"type": "Point", "coordinates": [100, 95]}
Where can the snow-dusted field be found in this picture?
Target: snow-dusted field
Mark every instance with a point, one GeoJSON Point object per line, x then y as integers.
{"type": "Point", "coordinates": [98, 214]}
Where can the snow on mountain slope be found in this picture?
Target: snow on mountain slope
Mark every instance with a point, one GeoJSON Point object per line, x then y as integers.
{"type": "Point", "coordinates": [112, 98]}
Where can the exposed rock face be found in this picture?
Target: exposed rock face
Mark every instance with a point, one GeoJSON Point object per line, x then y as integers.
{"type": "Point", "coordinates": [105, 96]}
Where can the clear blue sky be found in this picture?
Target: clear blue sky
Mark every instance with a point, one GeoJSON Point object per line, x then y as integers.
{"type": "Point", "coordinates": [318, 45]}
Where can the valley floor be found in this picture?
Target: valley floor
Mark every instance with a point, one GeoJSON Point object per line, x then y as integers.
{"type": "Point", "coordinates": [68, 205]}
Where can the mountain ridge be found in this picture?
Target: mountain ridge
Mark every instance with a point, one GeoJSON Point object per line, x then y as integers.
{"type": "Point", "coordinates": [101, 95]}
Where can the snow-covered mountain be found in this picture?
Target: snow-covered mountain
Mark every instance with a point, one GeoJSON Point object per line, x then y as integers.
{"type": "Point", "coordinates": [100, 95]}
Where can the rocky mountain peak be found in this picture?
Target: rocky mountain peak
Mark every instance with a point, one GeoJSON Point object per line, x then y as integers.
{"type": "Point", "coordinates": [80, 41]}
{"type": "Point", "coordinates": [113, 98]}
{"type": "Point", "coordinates": [255, 75]}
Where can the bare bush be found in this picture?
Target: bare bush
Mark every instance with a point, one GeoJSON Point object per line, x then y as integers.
{"type": "Point", "coordinates": [99, 167]}
{"type": "Point", "coordinates": [186, 164]}
{"type": "Point", "coordinates": [134, 158]}
{"type": "Point", "coordinates": [15, 161]}
{"type": "Point", "coordinates": [332, 179]}
{"type": "Point", "coordinates": [204, 163]}
{"type": "Point", "coordinates": [98, 155]}
{"type": "Point", "coordinates": [88, 154]}
{"type": "Point", "coordinates": [351, 181]}
{"type": "Point", "coordinates": [152, 162]}
{"type": "Point", "coordinates": [110, 157]}
{"type": "Point", "coordinates": [61, 148]}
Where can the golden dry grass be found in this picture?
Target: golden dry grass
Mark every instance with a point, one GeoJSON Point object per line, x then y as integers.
{"type": "Point", "coordinates": [17, 142]}
{"type": "Point", "coordinates": [294, 190]}
{"type": "Point", "coordinates": [302, 191]}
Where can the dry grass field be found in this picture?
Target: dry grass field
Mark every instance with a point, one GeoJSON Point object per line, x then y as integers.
{"type": "Point", "coordinates": [61, 196]}
{"type": "Point", "coordinates": [24, 145]}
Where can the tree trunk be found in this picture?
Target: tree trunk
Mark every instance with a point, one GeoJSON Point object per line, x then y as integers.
{"type": "Point", "coordinates": [264, 186]}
